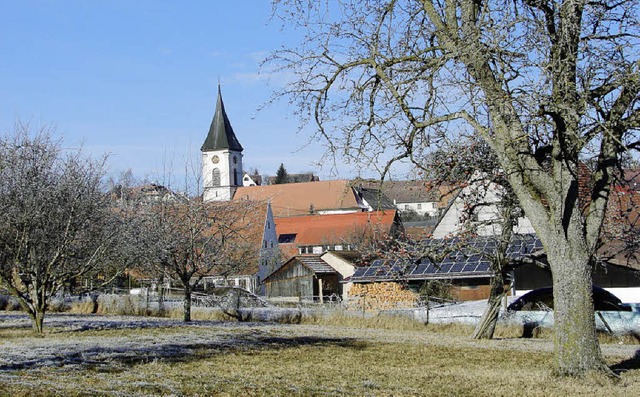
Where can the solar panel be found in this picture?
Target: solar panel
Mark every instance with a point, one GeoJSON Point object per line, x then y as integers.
{"type": "Point", "coordinates": [359, 272]}
{"type": "Point", "coordinates": [446, 268]}
{"type": "Point", "coordinates": [472, 256]}
{"type": "Point", "coordinates": [469, 267]}
{"type": "Point", "coordinates": [371, 270]}
{"type": "Point", "coordinates": [457, 268]}
{"type": "Point", "coordinates": [420, 268]}
{"type": "Point", "coordinates": [484, 266]}
{"type": "Point", "coordinates": [448, 259]}
{"type": "Point", "coordinates": [431, 268]}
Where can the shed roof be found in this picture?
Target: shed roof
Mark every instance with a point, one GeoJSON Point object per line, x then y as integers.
{"type": "Point", "coordinates": [315, 263]}
{"type": "Point", "coordinates": [311, 261]}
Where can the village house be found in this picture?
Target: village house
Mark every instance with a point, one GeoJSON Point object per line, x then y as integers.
{"type": "Point", "coordinates": [417, 198]}
{"type": "Point", "coordinates": [312, 277]}
{"type": "Point", "coordinates": [336, 235]}
{"type": "Point", "coordinates": [475, 208]}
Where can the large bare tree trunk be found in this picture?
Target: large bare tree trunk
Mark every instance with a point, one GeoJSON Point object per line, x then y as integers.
{"type": "Point", "coordinates": [575, 340]}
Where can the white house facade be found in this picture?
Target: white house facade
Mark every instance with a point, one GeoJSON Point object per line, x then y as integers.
{"type": "Point", "coordinates": [477, 206]}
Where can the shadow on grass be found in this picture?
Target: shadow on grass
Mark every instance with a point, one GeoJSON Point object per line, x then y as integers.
{"type": "Point", "coordinates": [118, 359]}
{"type": "Point", "coordinates": [630, 363]}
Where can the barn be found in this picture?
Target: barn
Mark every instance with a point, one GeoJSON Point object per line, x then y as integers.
{"type": "Point", "coordinates": [304, 277]}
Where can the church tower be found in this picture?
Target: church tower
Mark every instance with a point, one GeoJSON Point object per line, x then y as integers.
{"type": "Point", "coordinates": [221, 158]}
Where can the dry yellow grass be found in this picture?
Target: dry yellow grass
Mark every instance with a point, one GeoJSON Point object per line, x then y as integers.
{"type": "Point", "coordinates": [314, 360]}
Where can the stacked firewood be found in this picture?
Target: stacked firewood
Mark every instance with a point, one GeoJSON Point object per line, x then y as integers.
{"type": "Point", "coordinates": [381, 296]}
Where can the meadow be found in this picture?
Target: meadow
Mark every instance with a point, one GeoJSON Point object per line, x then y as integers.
{"type": "Point", "coordinates": [116, 355]}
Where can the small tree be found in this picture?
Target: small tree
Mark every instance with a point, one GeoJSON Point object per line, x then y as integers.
{"type": "Point", "coordinates": [281, 176]}
{"type": "Point", "coordinates": [56, 221]}
{"type": "Point", "coordinates": [189, 239]}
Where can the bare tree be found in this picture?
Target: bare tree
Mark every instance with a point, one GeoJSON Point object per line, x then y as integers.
{"type": "Point", "coordinates": [56, 221]}
{"type": "Point", "coordinates": [189, 239]}
{"type": "Point", "coordinates": [543, 82]}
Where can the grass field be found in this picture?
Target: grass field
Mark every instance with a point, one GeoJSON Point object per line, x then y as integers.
{"type": "Point", "coordinates": [102, 355]}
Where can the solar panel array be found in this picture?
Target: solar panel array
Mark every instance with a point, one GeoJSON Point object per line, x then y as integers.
{"type": "Point", "coordinates": [468, 257]}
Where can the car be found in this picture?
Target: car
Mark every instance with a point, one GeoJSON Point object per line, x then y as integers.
{"type": "Point", "coordinates": [542, 299]}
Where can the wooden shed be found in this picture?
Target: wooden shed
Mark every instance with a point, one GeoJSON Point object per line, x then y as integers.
{"type": "Point", "coordinates": [304, 277]}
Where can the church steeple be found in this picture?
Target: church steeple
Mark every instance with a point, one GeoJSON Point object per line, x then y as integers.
{"type": "Point", "coordinates": [221, 135]}
{"type": "Point", "coordinates": [221, 158]}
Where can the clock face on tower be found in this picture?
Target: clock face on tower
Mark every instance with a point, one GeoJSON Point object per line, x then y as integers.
{"type": "Point", "coordinates": [215, 159]}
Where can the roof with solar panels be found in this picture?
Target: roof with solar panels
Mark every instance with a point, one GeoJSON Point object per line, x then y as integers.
{"type": "Point", "coordinates": [448, 258]}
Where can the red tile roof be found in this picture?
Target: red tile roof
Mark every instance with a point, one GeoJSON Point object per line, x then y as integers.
{"type": "Point", "coordinates": [336, 228]}
{"type": "Point", "coordinates": [296, 199]}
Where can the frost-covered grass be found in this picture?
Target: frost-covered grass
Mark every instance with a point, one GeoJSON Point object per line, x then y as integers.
{"type": "Point", "coordinates": [145, 356]}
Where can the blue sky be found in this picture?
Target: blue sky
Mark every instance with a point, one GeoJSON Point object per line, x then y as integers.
{"type": "Point", "coordinates": [138, 79]}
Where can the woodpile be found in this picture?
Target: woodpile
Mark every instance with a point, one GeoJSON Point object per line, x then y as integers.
{"type": "Point", "coordinates": [381, 296]}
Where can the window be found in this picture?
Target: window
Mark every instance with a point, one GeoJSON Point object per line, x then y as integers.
{"type": "Point", "coordinates": [419, 206]}
{"type": "Point", "coordinates": [287, 238]}
{"type": "Point", "coordinates": [215, 181]}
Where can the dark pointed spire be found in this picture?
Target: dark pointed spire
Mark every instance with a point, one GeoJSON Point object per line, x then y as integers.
{"type": "Point", "coordinates": [221, 134]}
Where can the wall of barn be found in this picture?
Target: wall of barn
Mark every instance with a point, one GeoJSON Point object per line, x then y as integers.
{"type": "Point", "coordinates": [292, 280]}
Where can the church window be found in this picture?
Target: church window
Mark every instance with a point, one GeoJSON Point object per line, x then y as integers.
{"type": "Point", "coordinates": [235, 177]}
{"type": "Point", "coordinates": [215, 181]}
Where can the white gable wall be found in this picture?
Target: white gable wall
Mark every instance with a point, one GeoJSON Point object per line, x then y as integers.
{"type": "Point", "coordinates": [342, 266]}
{"type": "Point", "coordinates": [486, 216]}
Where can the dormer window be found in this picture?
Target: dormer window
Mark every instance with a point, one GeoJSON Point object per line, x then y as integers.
{"type": "Point", "coordinates": [287, 238]}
